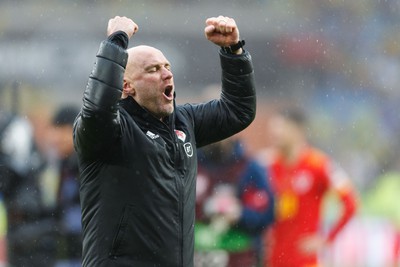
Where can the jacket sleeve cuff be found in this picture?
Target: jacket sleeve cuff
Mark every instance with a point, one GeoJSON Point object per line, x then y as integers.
{"type": "Point", "coordinates": [236, 64]}
{"type": "Point", "coordinates": [119, 38]}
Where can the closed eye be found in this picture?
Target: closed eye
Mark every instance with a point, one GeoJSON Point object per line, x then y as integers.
{"type": "Point", "coordinates": [155, 68]}
{"type": "Point", "coordinates": [152, 69]}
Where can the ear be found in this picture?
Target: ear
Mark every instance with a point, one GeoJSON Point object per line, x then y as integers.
{"type": "Point", "coordinates": [127, 89]}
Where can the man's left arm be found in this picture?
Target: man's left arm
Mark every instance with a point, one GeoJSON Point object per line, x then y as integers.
{"type": "Point", "coordinates": [236, 108]}
{"type": "Point", "coordinates": [339, 185]}
{"type": "Point", "coordinates": [342, 187]}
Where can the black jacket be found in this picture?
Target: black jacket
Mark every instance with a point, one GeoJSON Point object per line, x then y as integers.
{"type": "Point", "coordinates": [138, 173]}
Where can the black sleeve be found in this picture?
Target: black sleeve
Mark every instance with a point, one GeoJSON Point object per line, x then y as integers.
{"type": "Point", "coordinates": [119, 38]}
{"type": "Point", "coordinates": [97, 126]}
{"type": "Point", "coordinates": [236, 108]}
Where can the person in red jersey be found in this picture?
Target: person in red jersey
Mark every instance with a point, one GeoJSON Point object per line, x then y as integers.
{"type": "Point", "coordinates": [301, 176]}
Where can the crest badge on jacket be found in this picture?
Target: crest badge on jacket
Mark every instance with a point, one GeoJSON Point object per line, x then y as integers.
{"type": "Point", "coordinates": [181, 135]}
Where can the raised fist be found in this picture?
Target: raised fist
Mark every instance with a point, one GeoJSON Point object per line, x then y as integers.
{"type": "Point", "coordinates": [222, 31]}
{"type": "Point", "coordinates": [122, 24]}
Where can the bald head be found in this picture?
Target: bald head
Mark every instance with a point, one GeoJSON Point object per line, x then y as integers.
{"type": "Point", "coordinates": [141, 50]}
{"type": "Point", "coordinates": [149, 80]}
{"type": "Point", "coordinates": [139, 57]}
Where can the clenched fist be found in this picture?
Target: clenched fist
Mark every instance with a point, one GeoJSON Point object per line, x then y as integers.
{"type": "Point", "coordinates": [122, 24]}
{"type": "Point", "coordinates": [222, 31]}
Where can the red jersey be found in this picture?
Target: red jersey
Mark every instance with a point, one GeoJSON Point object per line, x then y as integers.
{"type": "Point", "coordinates": [299, 190]}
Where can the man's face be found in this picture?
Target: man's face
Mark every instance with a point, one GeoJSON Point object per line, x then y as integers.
{"type": "Point", "coordinates": [281, 132]}
{"type": "Point", "coordinates": [149, 81]}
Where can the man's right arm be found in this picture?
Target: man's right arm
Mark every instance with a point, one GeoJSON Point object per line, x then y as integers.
{"type": "Point", "coordinates": [97, 124]}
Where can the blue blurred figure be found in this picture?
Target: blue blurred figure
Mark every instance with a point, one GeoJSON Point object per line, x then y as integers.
{"type": "Point", "coordinates": [234, 205]}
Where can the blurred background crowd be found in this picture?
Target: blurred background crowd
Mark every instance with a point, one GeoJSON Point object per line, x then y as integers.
{"type": "Point", "coordinates": [337, 60]}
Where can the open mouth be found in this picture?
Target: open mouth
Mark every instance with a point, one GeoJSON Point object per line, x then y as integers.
{"type": "Point", "coordinates": [168, 91]}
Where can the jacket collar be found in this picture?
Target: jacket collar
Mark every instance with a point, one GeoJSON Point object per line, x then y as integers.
{"type": "Point", "coordinates": [132, 107]}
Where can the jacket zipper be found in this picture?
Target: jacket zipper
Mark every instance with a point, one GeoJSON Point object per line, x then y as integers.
{"type": "Point", "coordinates": [180, 189]}
{"type": "Point", "coordinates": [181, 194]}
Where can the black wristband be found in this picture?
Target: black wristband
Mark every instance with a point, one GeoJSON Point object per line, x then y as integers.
{"type": "Point", "coordinates": [233, 48]}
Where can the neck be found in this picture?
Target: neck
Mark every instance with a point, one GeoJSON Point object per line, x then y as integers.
{"type": "Point", "coordinates": [292, 153]}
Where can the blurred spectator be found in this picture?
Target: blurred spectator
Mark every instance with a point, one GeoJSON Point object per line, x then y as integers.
{"type": "Point", "coordinates": [68, 205]}
{"type": "Point", "coordinates": [32, 228]}
{"type": "Point", "coordinates": [234, 205]}
{"type": "Point", "coordinates": [39, 187]}
{"type": "Point", "coordinates": [301, 177]}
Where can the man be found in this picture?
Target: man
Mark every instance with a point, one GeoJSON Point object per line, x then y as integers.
{"type": "Point", "coordinates": [301, 177]}
{"type": "Point", "coordinates": [137, 154]}
{"type": "Point", "coordinates": [32, 228]}
{"type": "Point", "coordinates": [67, 193]}
{"type": "Point", "coordinates": [234, 205]}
